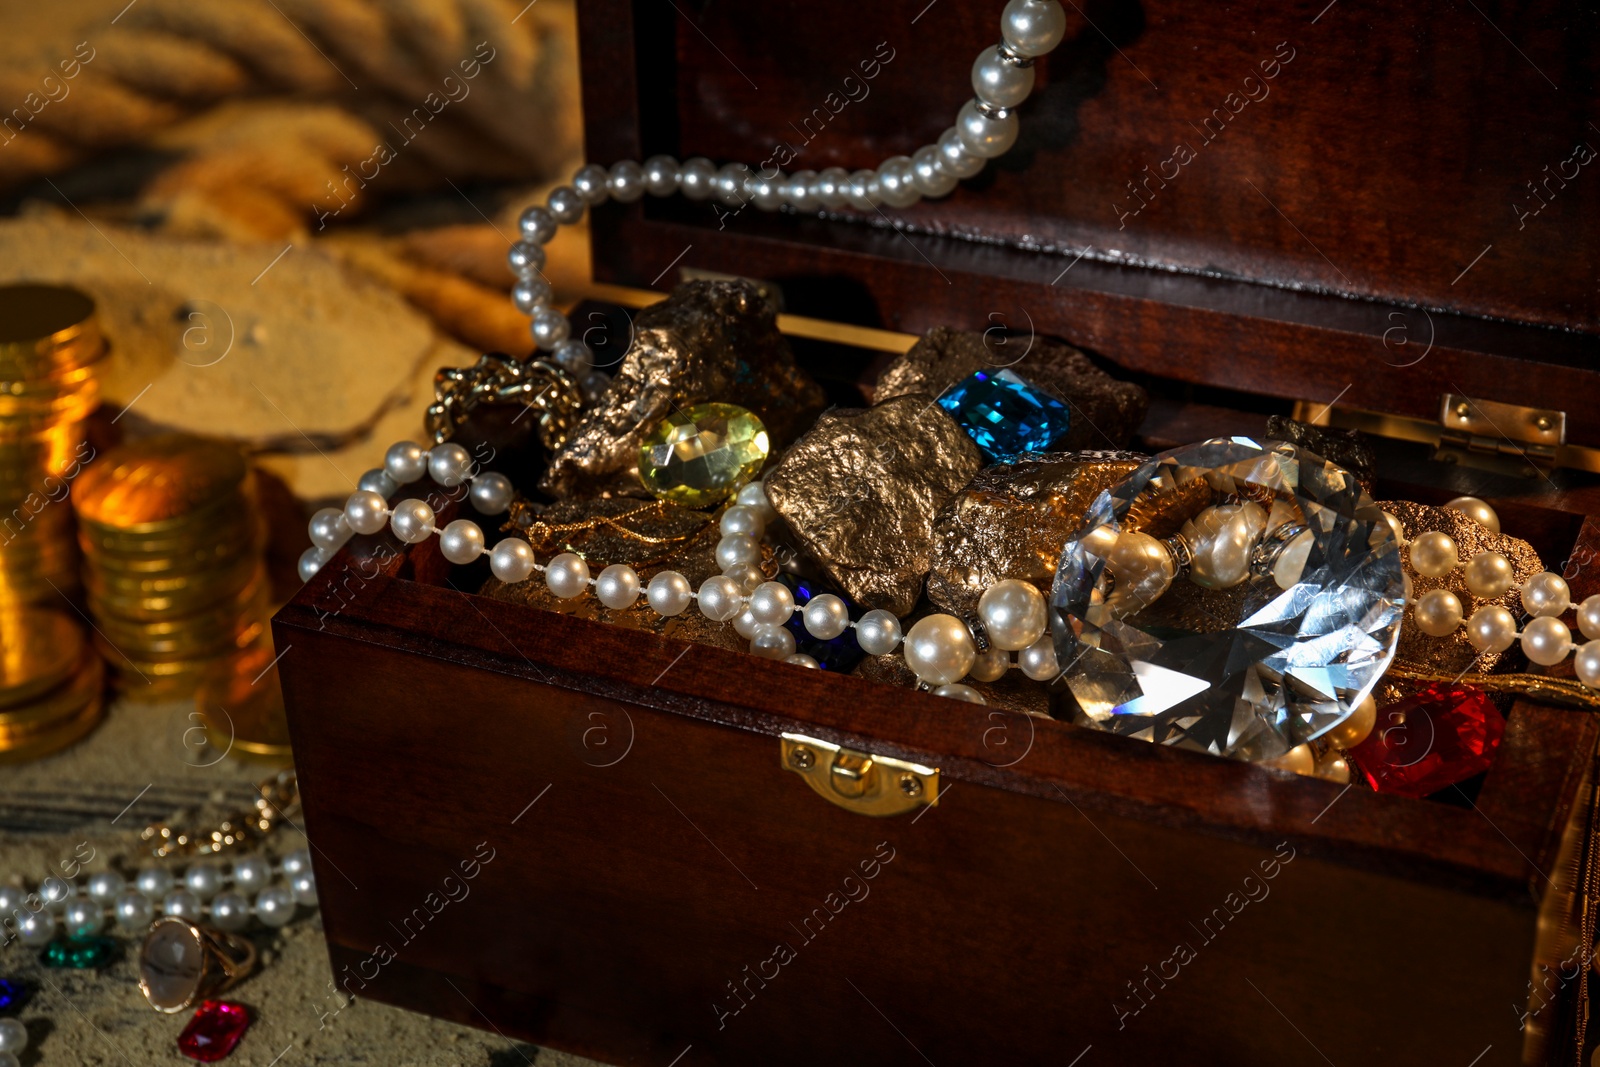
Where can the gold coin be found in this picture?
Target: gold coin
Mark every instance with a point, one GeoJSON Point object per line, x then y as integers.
{"type": "Point", "coordinates": [172, 582]}
{"type": "Point", "coordinates": [155, 661]}
{"type": "Point", "coordinates": [86, 680]}
{"type": "Point", "coordinates": [213, 555]}
{"type": "Point", "coordinates": [43, 326]}
{"type": "Point", "coordinates": [38, 650]}
{"type": "Point", "coordinates": [157, 606]}
{"type": "Point", "coordinates": [153, 484]}
{"type": "Point", "coordinates": [176, 632]}
{"type": "Point", "coordinates": [58, 737]}
{"type": "Point", "coordinates": [210, 539]}
{"type": "Point", "coordinates": [241, 703]}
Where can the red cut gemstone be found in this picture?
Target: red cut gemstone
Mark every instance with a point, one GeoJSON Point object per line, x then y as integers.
{"type": "Point", "coordinates": [214, 1031]}
{"type": "Point", "coordinates": [1443, 735]}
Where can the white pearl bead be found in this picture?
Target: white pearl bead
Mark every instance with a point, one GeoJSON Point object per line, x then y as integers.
{"type": "Point", "coordinates": [729, 184]}
{"type": "Point", "coordinates": [745, 624]}
{"type": "Point", "coordinates": [11, 898]}
{"type": "Point", "coordinates": [1433, 555]}
{"type": "Point", "coordinates": [766, 190]}
{"type": "Point", "coordinates": [311, 561]}
{"type": "Point", "coordinates": [405, 462]}
{"type": "Point", "coordinates": [929, 178]}
{"type": "Point", "coordinates": [772, 642]}
{"type": "Point", "coordinates": [134, 910]}
{"type": "Point", "coordinates": [549, 328]}
{"type": "Point", "coordinates": [986, 135]}
{"type": "Point", "coordinates": [956, 691]}
{"type": "Point", "coordinates": [525, 259]}
{"type": "Point", "coordinates": [735, 549]}
{"type": "Point", "coordinates": [329, 529]}
{"type": "Point", "coordinates": [251, 873]}
{"type": "Point", "coordinates": [878, 632]}
{"type": "Point", "coordinates": [461, 541]}
{"type": "Point", "coordinates": [798, 191]}
{"type": "Point", "coordinates": [864, 192]}
{"type": "Point", "coordinates": [991, 666]}
{"type": "Point", "coordinates": [1488, 575]}
{"type": "Point", "coordinates": [449, 464]}
{"type": "Point", "coordinates": [1546, 640]}
{"type": "Point", "coordinates": [275, 906]}
{"type": "Point", "coordinates": [511, 560]}
{"type": "Point", "coordinates": [230, 911]}
{"type": "Point", "coordinates": [56, 890]}
{"type": "Point", "coordinates": [411, 521]}
{"type": "Point", "coordinates": [1492, 629]}
{"type": "Point", "coordinates": [746, 576]}
{"type": "Point", "coordinates": [592, 182]}
{"type": "Point", "coordinates": [800, 659]}
{"type": "Point", "coordinates": [574, 357]}
{"type": "Point", "coordinates": [1396, 528]}
{"type": "Point", "coordinates": [1587, 664]}
{"type": "Point", "coordinates": [772, 603]}
{"type": "Point", "coordinates": [1032, 28]}
{"type": "Point", "coordinates": [1437, 613]}
{"type": "Point", "coordinates": [183, 904]}
{"type": "Point", "coordinates": [8, 1059]}
{"type": "Point", "coordinates": [1476, 510]}
{"type": "Point", "coordinates": [531, 293]}
{"type": "Point", "coordinates": [204, 880]}
{"type": "Point", "coordinates": [754, 495]}
{"type": "Point", "coordinates": [1298, 759]}
{"type": "Point", "coordinates": [83, 918]}
{"type": "Point", "coordinates": [1142, 570]}
{"type": "Point", "coordinates": [366, 511]}
{"type": "Point", "coordinates": [1546, 593]}
{"type": "Point", "coordinates": [36, 927]}
{"type": "Point", "coordinates": [939, 649]}
{"type": "Point", "coordinates": [13, 1036]}
{"type": "Point", "coordinates": [955, 159]}
{"type": "Point", "coordinates": [105, 885]}
{"type": "Point", "coordinates": [1000, 83]}
{"type": "Point", "coordinates": [1221, 541]}
{"type": "Point", "coordinates": [895, 181]}
{"type": "Point", "coordinates": [668, 593]}
{"type": "Point", "coordinates": [377, 481]}
{"type": "Point", "coordinates": [1013, 614]}
{"type": "Point", "coordinates": [1038, 660]}
{"type": "Point", "coordinates": [660, 175]}
{"type": "Point", "coordinates": [297, 861]}
{"type": "Point", "coordinates": [719, 598]}
{"type": "Point", "coordinates": [826, 616]}
{"type": "Point", "coordinates": [830, 187]}
{"type": "Point", "coordinates": [1589, 617]}
{"type": "Point", "coordinates": [565, 204]}
{"type": "Point", "coordinates": [617, 587]}
{"type": "Point", "coordinates": [626, 183]}
{"type": "Point", "coordinates": [567, 576]}
{"type": "Point", "coordinates": [537, 225]}
{"type": "Point", "coordinates": [153, 881]}
{"type": "Point", "coordinates": [696, 177]}
{"type": "Point", "coordinates": [743, 519]}
{"type": "Point", "coordinates": [304, 888]}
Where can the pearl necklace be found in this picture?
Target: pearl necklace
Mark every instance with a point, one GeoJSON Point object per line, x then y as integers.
{"type": "Point", "coordinates": [985, 128]}
{"type": "Point", "coordinates": [228, 897]}
{"type": "Point", "coordinates": [939, 649]}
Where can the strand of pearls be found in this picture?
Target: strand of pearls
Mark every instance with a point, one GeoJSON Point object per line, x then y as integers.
{"type": "Point", "coordinates": [940, 649]}
{"type": "Point", "coordinates": [1545, 638]}
{"type": "Point", "coordinates": [985, 128]}
{"type": "Point", "coordinates": [227, 896]}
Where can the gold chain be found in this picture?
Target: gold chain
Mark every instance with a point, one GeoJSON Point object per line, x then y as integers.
{"type": "Point", "coordinates": [1566, 691]}
{"type": "Point", "coordinates": [494, 379]}
{"type": "Point", "coordinates": [277, 799]}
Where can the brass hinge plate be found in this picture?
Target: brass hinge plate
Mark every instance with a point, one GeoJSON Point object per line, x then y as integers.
{"type": "Point", "coordinates": [1487, 427]}
{"type": "Point", "coordinates": [859, 781]}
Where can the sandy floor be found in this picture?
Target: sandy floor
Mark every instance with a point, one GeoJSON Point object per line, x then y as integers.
{"type": "Point", "coordinates": [142, 764]}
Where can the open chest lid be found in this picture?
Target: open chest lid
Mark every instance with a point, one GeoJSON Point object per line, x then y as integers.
{"type": "Point", "coordinates": [1388, 209]}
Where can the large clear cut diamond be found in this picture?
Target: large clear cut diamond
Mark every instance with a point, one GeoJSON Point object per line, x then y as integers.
{"type": "Point", "coordinates": [1250, 671]}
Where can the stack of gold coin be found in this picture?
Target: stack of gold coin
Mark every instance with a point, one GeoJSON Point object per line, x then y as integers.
{"type": "Point", "coordinates": [50, 683]}
{"type": "Point", "coordinates": [50, 348]}
{"type": "Point", "coordinates": [172, 541]}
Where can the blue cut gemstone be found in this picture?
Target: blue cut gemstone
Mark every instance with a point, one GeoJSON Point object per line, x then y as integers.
{"type": "Point", "coordinates": [12, 994]}
{"type": "Point", "coordinates": [1004, 413]}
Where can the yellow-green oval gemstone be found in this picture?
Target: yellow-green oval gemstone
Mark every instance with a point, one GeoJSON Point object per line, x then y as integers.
{"type": "Point", "coordinates": [702, 454]}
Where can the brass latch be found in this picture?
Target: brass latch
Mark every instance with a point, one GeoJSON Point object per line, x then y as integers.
{"type": "Point", "coordinates": [1490, 428]}
{"type": "Point", "coordinates": [859, 781]}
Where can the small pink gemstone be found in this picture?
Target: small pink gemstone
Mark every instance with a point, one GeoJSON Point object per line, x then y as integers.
{"type": "Point", "coordinates": [1443, 735]}
{"type": "Point", "coordinates": [214, 1031]}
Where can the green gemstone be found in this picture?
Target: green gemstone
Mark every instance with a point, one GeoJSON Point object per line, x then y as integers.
{"type": "Point", "coordinates": [703, 454]}
{"type": "Point", "coordinates": [81, 954]}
